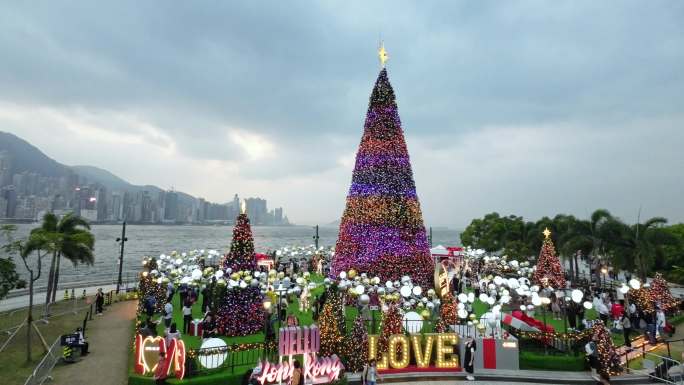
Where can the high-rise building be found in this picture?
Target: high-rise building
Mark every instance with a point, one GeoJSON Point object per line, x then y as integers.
{"type": "Point", "coordinates": [257, 211]}
{"type": "Point", "coordinates": [278, 216]}
{"type": "Point", "coordinates": [117, 206]}
{"type": "Point", "coordinates": [10, 194]}
{"type": "Point", "coordinates": [171, 207]}
{"type": "Point", "coordinates": [101, 204]}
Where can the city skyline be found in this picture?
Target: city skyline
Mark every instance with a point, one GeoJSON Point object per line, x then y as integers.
{"type": "Point", "coordinates": [516, 108]}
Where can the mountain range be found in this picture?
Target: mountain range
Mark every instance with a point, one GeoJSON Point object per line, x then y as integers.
{"type": "Point", "coordinates": [26, 157]}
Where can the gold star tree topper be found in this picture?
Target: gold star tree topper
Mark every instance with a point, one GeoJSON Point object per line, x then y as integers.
{"type": "Point", "coordinates": [546, 232]}
{"type": "Point", "coordinates": [382, 54]}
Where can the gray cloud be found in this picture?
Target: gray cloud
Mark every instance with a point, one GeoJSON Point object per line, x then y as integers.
{"type": "Point", "coordinates": [186, 77]}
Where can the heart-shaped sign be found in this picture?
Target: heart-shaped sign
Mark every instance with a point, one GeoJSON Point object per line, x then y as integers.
{"type": "Point", "coordinates": [147, 353]}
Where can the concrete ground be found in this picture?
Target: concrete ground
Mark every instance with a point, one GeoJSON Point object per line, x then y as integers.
{"type": "Point", "coordinates": [107, 364]}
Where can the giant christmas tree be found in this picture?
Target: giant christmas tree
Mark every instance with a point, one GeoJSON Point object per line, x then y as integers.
{"type": "Point", "coordinates": [382, 231]}
{"type": "Point", "coordinates": [548, 270]}
{"type": "Point", "coordinates": [241, 255]}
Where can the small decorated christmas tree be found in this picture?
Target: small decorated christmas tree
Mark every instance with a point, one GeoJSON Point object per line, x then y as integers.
{"type": "Point", "coordinates": [642, 298]}
{"type": "Point", "coordinates": [448, 309]}
{"type": "Point", "coordinates": [660, 293]}
{"type": "Point", "coordinates": [608, 359]}
{"type": "Point", "coordinates": [356, 346]}
{"type": "Point", "coordinates": [391, 324]}
{"type": "Point", "coordinates": [548, 272]}
{"type": "Point", "coordinates": [241, 255]}
{"type": "Point", "coordinates": [329, 324]}
{"type": "Point", "coordinates": [150, 287]}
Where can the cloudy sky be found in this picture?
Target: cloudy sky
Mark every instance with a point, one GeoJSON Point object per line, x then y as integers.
{"type": "Point", "coordinates": [531, 108]}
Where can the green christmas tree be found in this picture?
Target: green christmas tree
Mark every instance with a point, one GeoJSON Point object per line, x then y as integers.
{"type": "Point", "coordinates": [661, 295]}
{"type": "Point", "coordinates": [548, 272]}
{"type": "Point", "coordinates": [329, 324]}
{"type": "Point", "coordinates": [609, 361]}
{"type": "Point", "coordinates": [391, 324]}
{"type": "Point", "coordinates": [241, 255]}
{"type": "Point", "coordinates": [355, 348]}
{"type": "Point", "coordinates": [448, 309]}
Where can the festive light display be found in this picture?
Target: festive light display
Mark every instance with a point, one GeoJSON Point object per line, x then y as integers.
{"type": "Point", "coordinates": [448, 309]}
{"type": "Point", "coordinates": [381, 231]}
{"type": "Point", "coordinates": [150, 286]}
{"type": "Point", "coordinates": [660, 293]}
{"type": "Point", "coordinates": [400, 348]}
{"type": "Point", "coordinates": [241, 312]}
{"type": "Point", "coordinates": [147, 351]}
{"type": "Point", "coordinates": [329, 324]}
{"type": "Point", "coordinates": [355, 349]}
{"type": "Point", "coordinates": [391, 324]}
{"type": "Point", "coordinates": [241, 255]}
{"type": "Point", "coordinates": [642, 298]}
{"type": "Point", "coordinates": [609, 361]}
{"type": "Point", "coordinates": [549, 271]}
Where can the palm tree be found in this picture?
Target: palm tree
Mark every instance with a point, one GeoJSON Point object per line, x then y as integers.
{"type": "Point", "coordinates": [638, 246]}
{"type": "Point", "coordinates": [72, 240]}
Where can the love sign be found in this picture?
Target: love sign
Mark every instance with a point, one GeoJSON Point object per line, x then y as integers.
{"type": "Point", "coordinates": [147, 351]}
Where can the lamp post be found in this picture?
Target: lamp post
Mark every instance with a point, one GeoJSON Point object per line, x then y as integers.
{"type": "Point", "coordinates": [267, 320]}
{"type": "Point", "coordinates": [545, 301]}
{"type": "Point", "coordinates": [122, 241]}
{"type": "Point", "coordinates": [316, 237]}
{"type": "Point", "coordinates": [604, 271]}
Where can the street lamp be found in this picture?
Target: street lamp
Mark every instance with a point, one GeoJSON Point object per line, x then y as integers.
{"type": "Point", "coordinates": [267, 320]}
{"type": "Point", "coordinates": [121, 240]}
{"type": "Point", "coordinates": [604, 271]}
{"type": "Point", "coordinates": [545, 301]}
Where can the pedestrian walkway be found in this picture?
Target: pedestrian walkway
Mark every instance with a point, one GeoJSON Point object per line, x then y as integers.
{"type": "Point", "coordinates": [109, 337]}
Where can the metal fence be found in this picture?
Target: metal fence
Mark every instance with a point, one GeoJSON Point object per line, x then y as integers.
{"type": "Point", "coordinates": [661, 368]}
{"type": "Point", "coordinates": [43, 370]}
{"type": "Point", "coordinates": [212, 359]}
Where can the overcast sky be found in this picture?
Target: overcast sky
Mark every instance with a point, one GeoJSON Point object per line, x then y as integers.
{"type": "Point", "coordinates": [530, 108]}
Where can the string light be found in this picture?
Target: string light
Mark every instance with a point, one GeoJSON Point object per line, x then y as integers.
{"type": "Point", "coordinates": [422, 355]}
{"type": "Point", "coordinates": [382, 231]}
{"type": "Point", "coordinates": [446, 358]}
{"type": "Point", "coordinates": [391, 324]}
{"type": "Point", "coordinates": [381, 358]}
{"type": "Point", "coordinates": [329, 324]}
{"type": "Point", "coordinates": [549, 271]}
{"type": "Point", "coordinates": [355, 349]}
{"type": "Point", "coordinates": [398, 351]}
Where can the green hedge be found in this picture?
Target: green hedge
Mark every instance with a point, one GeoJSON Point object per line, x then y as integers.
{"type": "Point", "coordinates": [536, 361]}
{"type": "Point", "coordinates": [209, 379]}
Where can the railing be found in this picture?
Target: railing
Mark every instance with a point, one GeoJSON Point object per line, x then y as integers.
{"type": "Point", "coordinates": [661, 368]}
{"type": "Point", "coordinates": [43, 370]}
{"type": "Point", "coordinates": [228, 359]}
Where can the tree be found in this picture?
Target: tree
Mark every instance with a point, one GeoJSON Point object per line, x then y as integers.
{"type": "Point", "coordinates": [448, 309]}
{"type": "Point", "coordinates": [548, 271]}
{"type": "Point", "coordinates": [355, 351]}
{"type": "Point", "coordinates": [8, 270]}
{"type": "Point", "coordinates": [40, 243]}
{"type": "Point", "coordinates": [660, 293]}
{"type": "Point", "coordinates": [609, 361]}
{"type": "Point", "coordinates": [637, 247]}
{"type": "Point", "coordinates": [70, 238]}
{"type": "Point", "coordinates": [382, 231]}
{"type": "Point", "coordinates": [241, 255]}
{"type": "Point", "coordinates": [391, 324]}
{"type": "Point", "coordinates": [329, 325]}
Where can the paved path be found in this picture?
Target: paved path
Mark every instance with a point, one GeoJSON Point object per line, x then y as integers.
{"type": "Point", "coordinates": [107, 364]}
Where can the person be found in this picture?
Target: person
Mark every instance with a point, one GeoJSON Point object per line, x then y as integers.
{"type": "Point", "coordinates": [602, 309]}
{"type": "Point", "coordinates": [660, 321]}
{"type": "Point", "coordinates": [572, 314]}
{"type": "Point", "coordinates": [555, 308]}
{"type": "Point", "coordinates": [633, 315]}
{"type": "Point", "coordinates": [82, 343]}
{"type": "Point", "coordinates": [206, 298]}
{"type": "Point", "coordinates": [370, 374]}
{"type": "Point", "coordinates": [208, 326]}
{"type": "Point", "coordinates": [149, 328]}
{"type": "Point", "coordinates": [168, 314]}
{"type": "Point", "coordinates": [590, 350]}
{"type": "Point", "coordinates": [297, 377]}
{"type": "Point", "coordinates": [99, 301]}
{"type": "Point", "coordinates": [187, 316]}
{"type": "Point", "coordinates": [172, 334]}
{"type": "Point", "coordinates": [469, 358]}
{"type": "Point", "coordinates": [170, 290]}
{"type": "Point", "coordinates": [626, 328]}
{"type": "Point", "coordinates": [160, 372]}
{"type": "Point", "coordinates": [183, 292]}
{"type": "Point", "coordinates": [150, 304]}
{"type": "Point", "coordinates": [650, 321]}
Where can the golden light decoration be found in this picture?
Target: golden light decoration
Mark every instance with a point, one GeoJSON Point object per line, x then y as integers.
{"type": "Point", "coordinates": [546, 232]}
{"type": "Point", "coordinates": [381, 362]}
{"type": "Point", "coordinates": [422, 355]}
{"type": "Point", "coordinates": [446, 358]}
{"type": "Point", "coordinates": [382, 54]}
{"type": "Point", "coordinates": [398, 346]}
{"type": "Point", "coordinates": [352, 274]}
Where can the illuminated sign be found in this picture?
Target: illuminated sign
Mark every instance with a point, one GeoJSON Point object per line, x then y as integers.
{"type": "Point", "coordinates": [509, 344]}
{"type": "Point", "coordinates": [147, 355]}
{"type": "Point", "coordinates": [401, 346]}
{"type": "Point", "coordinates": [305, 341]}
